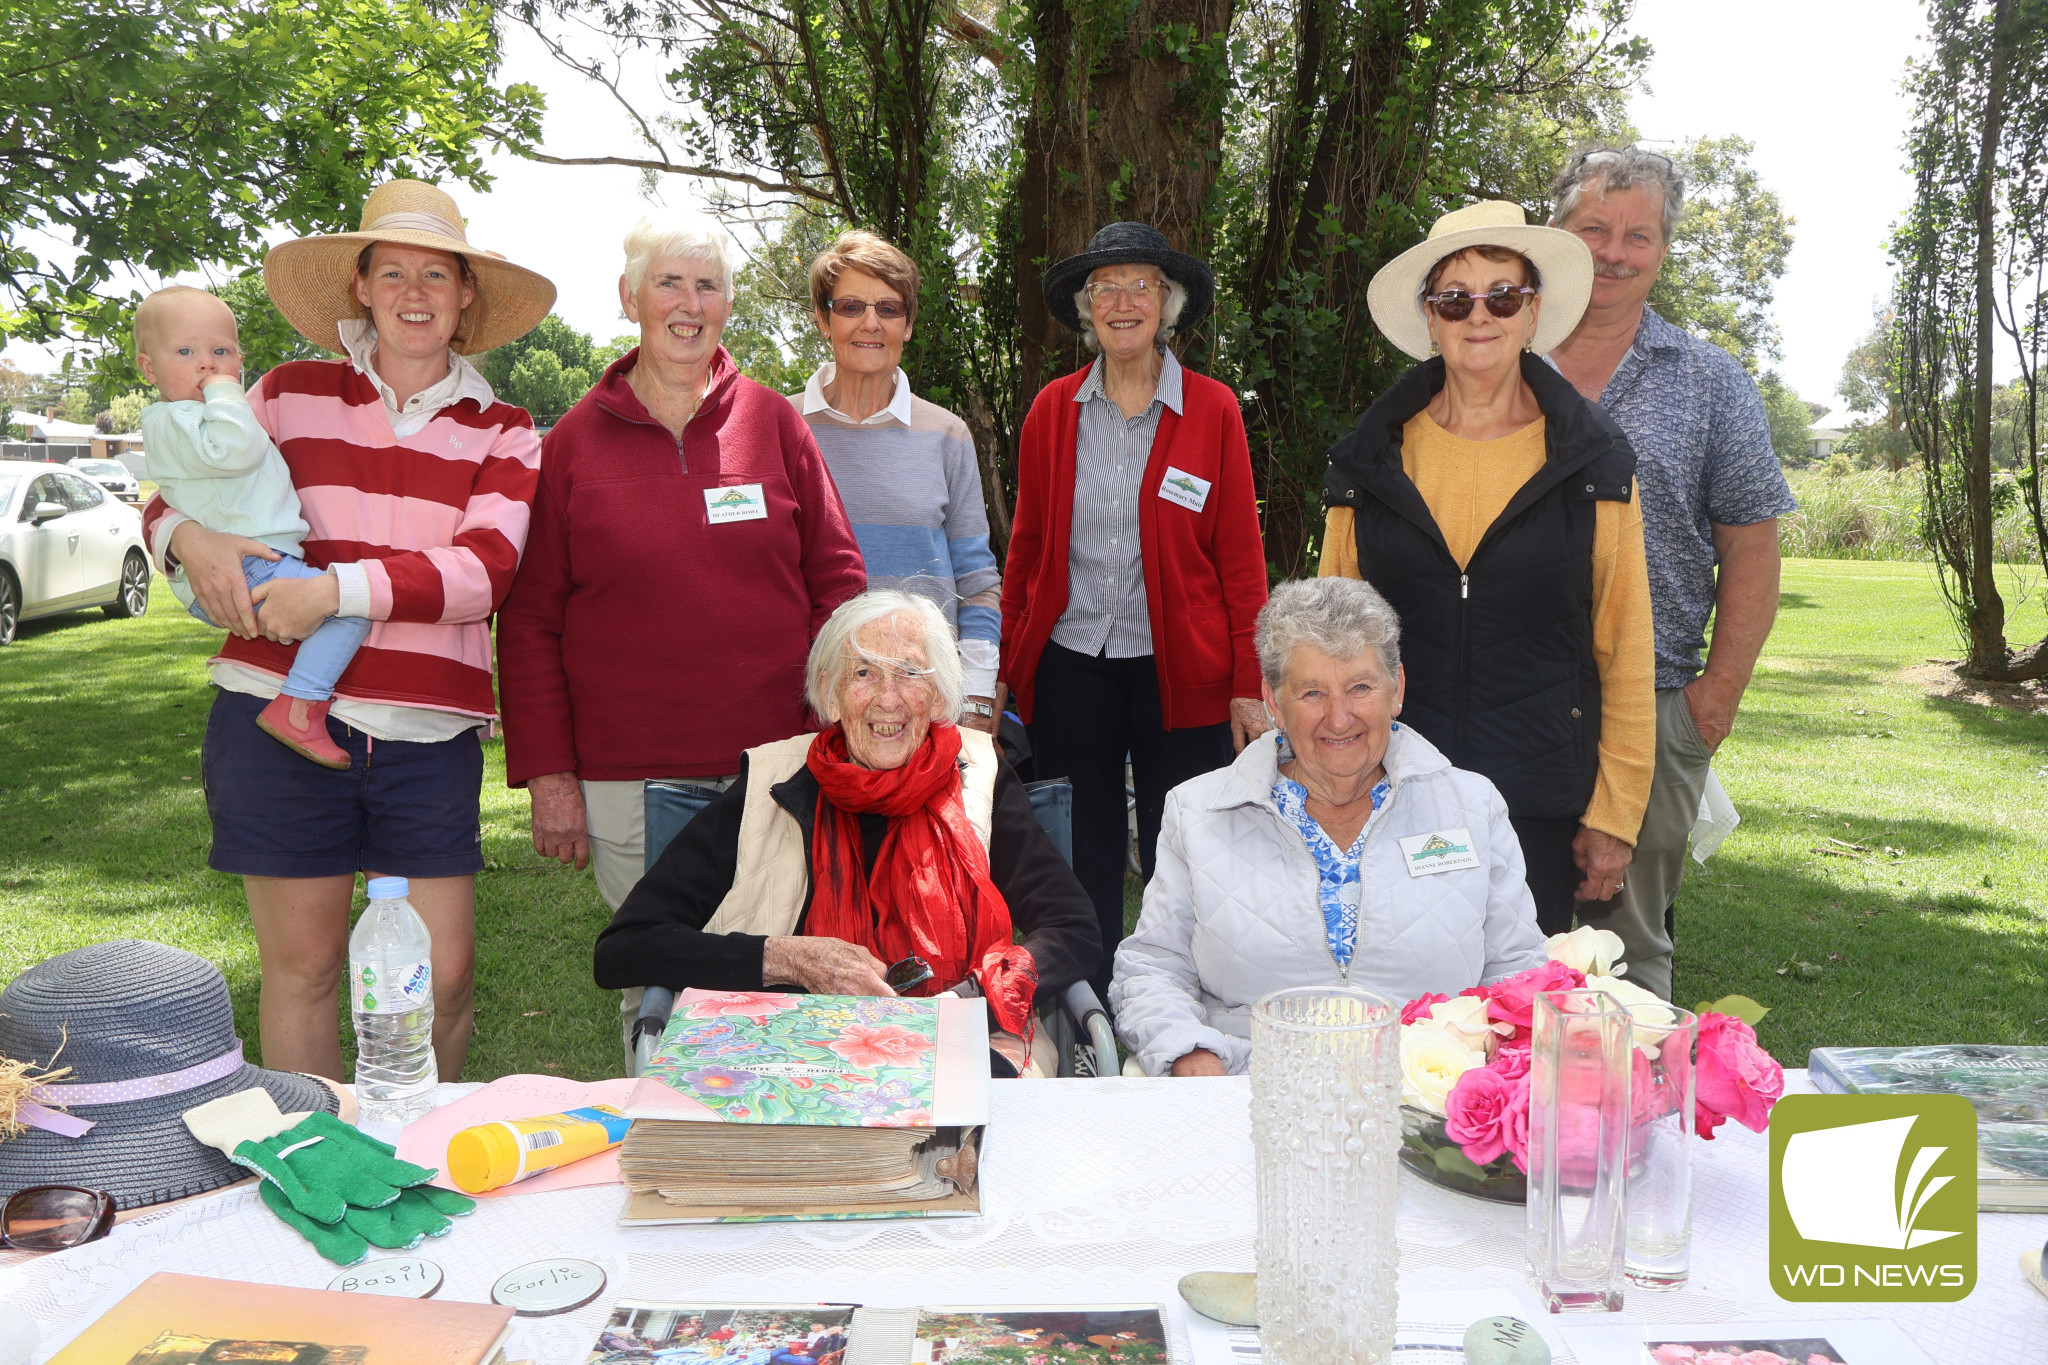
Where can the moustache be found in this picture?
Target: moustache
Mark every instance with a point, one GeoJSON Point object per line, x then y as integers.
{"type": "Point", "coordinates": [1616, 272]}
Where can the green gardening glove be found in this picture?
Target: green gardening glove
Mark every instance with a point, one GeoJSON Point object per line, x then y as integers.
{"type": "Point", "coordinates": [320, 1164]}
{"type": "Point", "coordinates": [417, 1213]}
{"type": "Point", "coordinates": [337, 1241]}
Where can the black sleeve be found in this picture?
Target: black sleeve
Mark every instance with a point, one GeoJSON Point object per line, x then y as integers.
{"type": "Point", "coordinates": [657, 938]}
{"type": "Point", "coordinates": [1048, 906]}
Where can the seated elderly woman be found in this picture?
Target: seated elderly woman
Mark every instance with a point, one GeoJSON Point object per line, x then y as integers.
{"type": "Point", "coordinates": [1340, 848]}
{"type": "Point", "coordinates": [894, 834]}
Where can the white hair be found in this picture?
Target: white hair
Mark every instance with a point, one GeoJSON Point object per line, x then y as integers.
{"type": "Point", "coordinates": [834, 649]}
{"type": "Point", "coordinates": [1169, 312]}
{"type": "Point", "coordinates": [691, 236]}
{"type": "Point", "coordinates": [1603, 169]}
{"type": "Point", "coordinates": [1343, 617]}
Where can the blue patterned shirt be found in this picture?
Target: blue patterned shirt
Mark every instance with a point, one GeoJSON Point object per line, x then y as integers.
{"type": "Point", "coordinates": [1338, 888]}
{"type": "Point", "coordinates": [1703, 458]}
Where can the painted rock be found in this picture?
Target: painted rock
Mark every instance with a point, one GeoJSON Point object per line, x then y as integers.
{"type": "Point", "coordinates": [1505, 1341]}
{"type": "Point", "coordinates": [2034, 1265]}
{"type": "Point", "coordinates": [1227, 1296]}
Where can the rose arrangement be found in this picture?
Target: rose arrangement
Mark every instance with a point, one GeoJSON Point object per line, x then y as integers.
{"type": "Point", "coordinates": [1465, 1059]}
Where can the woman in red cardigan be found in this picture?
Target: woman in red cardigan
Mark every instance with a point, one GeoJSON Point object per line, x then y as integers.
{"type": "Point", "coordinates": [1135, 571]}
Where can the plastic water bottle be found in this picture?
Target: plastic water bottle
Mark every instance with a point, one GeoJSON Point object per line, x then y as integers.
{"type": "Point", "coordinates": [391, 995]}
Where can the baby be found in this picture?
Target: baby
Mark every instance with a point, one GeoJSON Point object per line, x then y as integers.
{"type": "Point", "coordinates": [215, 464]}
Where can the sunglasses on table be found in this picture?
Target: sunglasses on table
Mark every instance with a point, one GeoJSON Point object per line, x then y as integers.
{"type": "Point", "coordinates": [887, 309]}
{"type": "Point", "coordinates": [1503, 301]}
{"type": "Point", "coordinates": [53, 1217]}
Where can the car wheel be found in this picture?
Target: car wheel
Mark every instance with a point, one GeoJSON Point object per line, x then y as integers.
{"type": "Point", "coordinates": [10, 607]}
{"type": "Point", "coordinates": [134, 598]}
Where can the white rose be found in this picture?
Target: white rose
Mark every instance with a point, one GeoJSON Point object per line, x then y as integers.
{"type": "Point", "coordinates": [1432, 1059]}
{"type": "Point", "coordinates": [1596, 952]}
{"type": "Point", "coordinates": [1651, 1014]}
{"type": "Point", "coordinates": [1465, 1017]}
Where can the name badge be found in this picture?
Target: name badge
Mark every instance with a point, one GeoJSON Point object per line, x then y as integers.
{"type": "Point", "coordinates": [1447, 850]}
{"type": "Point", "coordinates": [1184, 489]}
{"type": "Point", "coordinates": [738, 502]}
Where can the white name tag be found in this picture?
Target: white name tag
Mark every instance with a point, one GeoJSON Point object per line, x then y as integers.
{"type": "Point", "coordinates": [1447, 850]}
{"type": "Point", "coordinates": [738, 502]}
{"type": "Point", "coordinates": [1184, 489]}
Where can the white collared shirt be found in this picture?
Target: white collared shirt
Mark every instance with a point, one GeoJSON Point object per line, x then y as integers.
{"type": "Point", "coordinates": [359, 337]}
{"type": "Point", "coordinates": [814, 400]}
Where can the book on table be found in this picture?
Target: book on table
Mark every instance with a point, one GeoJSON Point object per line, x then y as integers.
{"type": "Point", "coordinates": [2008, 1087]}
{"type": "Point", "coordinates": [684, 1333]}
{"type": "Point", "coordinates": [772, 1105]}
{"type": "Point", "coordinates": [183, 1319]}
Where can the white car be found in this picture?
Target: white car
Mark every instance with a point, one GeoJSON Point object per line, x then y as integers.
{"type": "Point", "coordinates": [113, 476]}
{"type": "Point", "coordinates": [65, 545]}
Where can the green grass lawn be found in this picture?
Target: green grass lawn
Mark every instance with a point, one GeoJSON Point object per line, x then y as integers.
{"type": "Point", "coordinates": [1938, 932]}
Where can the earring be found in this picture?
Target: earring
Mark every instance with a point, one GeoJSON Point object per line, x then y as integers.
{"type": "Point", "coordinates": [1432, 346]}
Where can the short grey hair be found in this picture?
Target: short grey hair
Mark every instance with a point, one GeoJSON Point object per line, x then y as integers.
{"type": "Point", "coordinates": [1169, 312]}
{"type": "Point", "coordinates": [1343, 617]}
{"type": "Point", "coordinates": [1602, 169]}
{"type": "Point", "coordinates": [834, 649]}
{"type": "Point", "coordinates": [691, 236]}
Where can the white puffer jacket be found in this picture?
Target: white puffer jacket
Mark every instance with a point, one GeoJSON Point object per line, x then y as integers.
{"type": "Point", "coordinates": [1231, 912]}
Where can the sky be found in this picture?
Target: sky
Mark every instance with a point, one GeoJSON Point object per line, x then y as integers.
{"type": "Point", "coordinates": [1814, 84]}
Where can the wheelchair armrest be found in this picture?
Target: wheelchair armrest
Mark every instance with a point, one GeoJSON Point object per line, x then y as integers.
{"type": "Point", "coordinates": [656, 1004]}
{"type": "Point", "coordinates": [1081, 1002]}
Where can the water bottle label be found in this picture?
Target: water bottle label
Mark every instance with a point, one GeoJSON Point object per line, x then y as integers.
{"type": "Point", "coordinates": [405, 986]}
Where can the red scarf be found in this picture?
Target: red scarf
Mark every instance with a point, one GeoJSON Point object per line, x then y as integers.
{"type": "Point", "coordinates": [930, 894]}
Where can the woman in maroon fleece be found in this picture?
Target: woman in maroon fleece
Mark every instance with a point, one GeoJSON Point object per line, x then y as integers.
{"type": "Point", "coordinates": [687, 543]}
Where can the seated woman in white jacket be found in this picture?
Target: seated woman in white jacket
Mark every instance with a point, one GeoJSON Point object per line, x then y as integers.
{"type": "Point", "coordinates": [1340, 848]}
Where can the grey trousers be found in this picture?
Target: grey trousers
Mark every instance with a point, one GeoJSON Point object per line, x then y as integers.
{"type": "Point", "coordinates": [1637, 914]}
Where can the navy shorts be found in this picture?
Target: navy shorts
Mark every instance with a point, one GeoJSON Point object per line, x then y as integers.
{"type": "Point", "coordinates": [404, 810]}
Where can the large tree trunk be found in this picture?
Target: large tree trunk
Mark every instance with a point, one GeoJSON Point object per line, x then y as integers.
{"type": "Point", "coordinates": [1121, 129]}
{"type": "Point", "coordinates": [1986, 622]}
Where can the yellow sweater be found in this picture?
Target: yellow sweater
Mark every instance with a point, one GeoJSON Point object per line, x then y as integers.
{"type": "Point", "coordinates": [1467, 484]}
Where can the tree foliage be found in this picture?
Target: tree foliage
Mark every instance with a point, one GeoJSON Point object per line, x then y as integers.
{"type": "Point", "coordinates": [1791, 420]}
{"type": "Point", "coordinates": [168, 134]}
{"type": "Point", "coordinates": [1727, 252]}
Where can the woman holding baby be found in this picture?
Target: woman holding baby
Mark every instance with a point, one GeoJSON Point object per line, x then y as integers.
{"type": "Point", "coordinates": [413, 486]}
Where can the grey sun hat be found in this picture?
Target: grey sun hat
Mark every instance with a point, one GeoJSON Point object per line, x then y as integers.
{"type": "Point", "coordinates": [1130, 244]}
{"type": "Point", "coordinates": [148, 1033]}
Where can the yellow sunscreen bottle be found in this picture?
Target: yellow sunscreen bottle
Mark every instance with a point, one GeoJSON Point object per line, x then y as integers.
{"type": "Point", "coordinates": [494, 1154]}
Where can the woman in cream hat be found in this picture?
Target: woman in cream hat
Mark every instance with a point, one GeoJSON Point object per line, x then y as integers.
{"type": "Point", "coordinates": [1495, 509]}
{"type": "Point", "coordinates": [416, 486]}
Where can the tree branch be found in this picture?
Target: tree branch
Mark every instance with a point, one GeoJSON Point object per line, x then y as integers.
{"type": "Point", "coordinates": [668, 167]}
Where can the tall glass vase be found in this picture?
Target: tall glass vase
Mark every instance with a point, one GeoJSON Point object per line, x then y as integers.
{"type": "Point", "coordinates": [1579, 1091]}
{"type": "Point", "coordinates": [1660, 1147]}
{"type": "Point", "coordinates": [1326, 1137]}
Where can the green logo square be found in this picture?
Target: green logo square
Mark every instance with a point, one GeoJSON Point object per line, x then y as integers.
{"type": "Point", "coordinates": [1873, 1198]}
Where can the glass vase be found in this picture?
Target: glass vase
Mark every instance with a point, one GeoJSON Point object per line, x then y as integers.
{"type": "Point", "coordinates": [1580, 1070]}
{"type": "Point", "coordinates": [1326, 1137]}
{"type": "Point", "coordinates": [1660, 1146]}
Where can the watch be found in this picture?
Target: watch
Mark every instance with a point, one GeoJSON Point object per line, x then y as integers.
{"type": "Point", "coordinates": [981, 708]}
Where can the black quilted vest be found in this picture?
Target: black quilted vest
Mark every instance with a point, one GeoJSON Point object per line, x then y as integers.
{"type": "Point", "coordinates": [1501, 675]}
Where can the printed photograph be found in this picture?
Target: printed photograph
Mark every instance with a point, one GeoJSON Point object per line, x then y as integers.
{"type": "Point", "coordinates": [1123, 1336]}
{"type": "Point", "coordinates": [1790, 1351]}
{"type": "Point", "coordinates": [186, 1348]}
{"type": "Point", "coordinates": [678, 1334]}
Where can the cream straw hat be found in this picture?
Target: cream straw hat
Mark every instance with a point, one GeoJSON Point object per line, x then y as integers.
{"type": "Point", "coordinates": [1561, 259]}
{"type": "Point", "coordinates": [312, 280]}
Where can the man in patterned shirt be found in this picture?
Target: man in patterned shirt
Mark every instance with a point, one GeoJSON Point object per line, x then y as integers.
{"type": "Point", "coordinates": [1712, 493]}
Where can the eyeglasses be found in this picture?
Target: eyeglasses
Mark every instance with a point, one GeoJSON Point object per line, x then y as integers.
{"type": "Point", "coordinates": [53, 1217]}
{"type": "Point", "coordinates": [911, 971]}
{"type": "Point", "coordinates": [1616, 154]}
{"type": "Point", "coordinates": [887, 309]}
{"type": "Point", "coordinates": [1108, 293]}
{"type": "Point", "coordinates": [1503, 301]}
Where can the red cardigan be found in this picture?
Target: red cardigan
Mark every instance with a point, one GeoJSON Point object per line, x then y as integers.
{"type": "Point", "coordinates": [1209, 565]}
{"type": "Point", "coordinates": [640, 638]}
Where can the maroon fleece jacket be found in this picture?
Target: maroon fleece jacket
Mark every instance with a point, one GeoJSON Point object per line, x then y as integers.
{"type": "Point", "coordinates": [641, 639]}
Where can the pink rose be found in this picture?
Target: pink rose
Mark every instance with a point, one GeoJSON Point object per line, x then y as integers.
{"type": "Point", "coordinates": [1511, 1062]}
{"type": "Point", "coordinates": [1735, 1078]}
{"type": "Point", "coordinates": [1717, 1358]}
{"type": "Point", "coordinates": [1473, 1112]}
{"type": "Point", "coordinates": [1761, 1358]}
{"type": "Point", "coordinates": [1513, 1000]}
{"type": "Point", "coordinates": [1674, 1353]}
{"type": "Point", "coordinates": [1514, 1125]}
{"type": "Point", "coordinates": [1418, 1008]}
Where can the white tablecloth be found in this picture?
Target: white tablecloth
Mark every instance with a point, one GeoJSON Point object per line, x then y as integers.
{"type": "Point", "coordinates": [1094, 1192]}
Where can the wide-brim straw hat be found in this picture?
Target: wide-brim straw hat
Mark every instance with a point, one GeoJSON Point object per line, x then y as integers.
{"type": "Point", "coordinates": [1562, 261]}
{"type": "Point", "coordinates": [150, 1030]}
{"type": "Point", "coordinates": [312, 280]}
{"type": "Point", "coordinates": [1131, 244]}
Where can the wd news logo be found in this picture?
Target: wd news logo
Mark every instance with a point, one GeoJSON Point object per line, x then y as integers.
{"type": "Point", "coordinates": [1873, 1198]}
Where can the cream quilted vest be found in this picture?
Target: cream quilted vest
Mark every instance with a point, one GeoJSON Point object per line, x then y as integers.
{"type": "Point", "coordinates": [773, 875]}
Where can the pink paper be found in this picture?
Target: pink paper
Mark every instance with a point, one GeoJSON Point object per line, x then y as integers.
{"type": "Point", "coordinates": [424, 1141]}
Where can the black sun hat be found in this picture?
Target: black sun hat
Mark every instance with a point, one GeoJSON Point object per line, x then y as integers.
{"type": "Point", "coordinates": [1131, 244]}
{"type": "Point", "coordinates": [147, 1032]}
